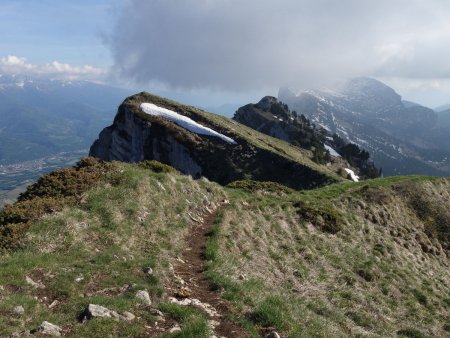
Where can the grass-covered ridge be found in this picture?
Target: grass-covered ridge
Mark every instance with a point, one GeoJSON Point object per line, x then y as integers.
{"type": "Point", "coordinates": [352, 259]}
{"type": "Point", "coordinates": [99, 248]}
{"type": "Point", "coordinates": [349, 259]}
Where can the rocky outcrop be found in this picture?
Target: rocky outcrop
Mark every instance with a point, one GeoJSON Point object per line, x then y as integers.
{"type": "Point", "coordinates": [274, 118]}
{"type": "Point", "coordinates": [136, 136]}
{"type": "Point", "coordinates": [259, 117]}
{"type": "Point", "coordinates": [131, 139]}
{"type": "Point", "coordinates": [47, 329]}
{"type": "Point", "coordinates": [98, 311]}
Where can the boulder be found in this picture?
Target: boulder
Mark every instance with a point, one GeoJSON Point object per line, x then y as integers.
{"type": "Point", "coordinates": [19, 310]}
{"type": "Point", "coordinates": [48, 329]}
{"type": "Point", "coordinates": [143, 296]}
{"type": "Point", "coordinates": [98, 311]}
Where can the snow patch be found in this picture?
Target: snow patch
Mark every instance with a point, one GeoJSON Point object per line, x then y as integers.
{"type": "Point", "coordinates": [324, 126]}
{"type": "Point", "coordinates": [332, 151]}
{"type": "Point", "coordinates": [352, 175]}
{"type": "Point", "coordinates": [183, 121]}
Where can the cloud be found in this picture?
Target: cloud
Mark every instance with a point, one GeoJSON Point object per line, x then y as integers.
{"type": "Point", "coordinates": [56, 70]}
{"type": "Point", "coordinates": [244, 45]}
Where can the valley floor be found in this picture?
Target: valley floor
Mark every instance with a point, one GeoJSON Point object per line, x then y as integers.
{"type": "Point", "coordinates": [14, 178]}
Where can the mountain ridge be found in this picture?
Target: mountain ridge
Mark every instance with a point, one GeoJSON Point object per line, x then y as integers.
{"type": "Point", "coordinates": [136, 136]}
{"type": "Point", "coordinates": [364, 111]}
{"type": "Point", "coordinates": [274, 118]}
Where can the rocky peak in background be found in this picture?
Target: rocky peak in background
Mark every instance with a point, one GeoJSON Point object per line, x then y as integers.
{"type": "Point", "coordinates": [273, 117]}
{"type": "Point", "coordinates": [371, 95]}
{"type": "Point", "coordinates": [402, 138]}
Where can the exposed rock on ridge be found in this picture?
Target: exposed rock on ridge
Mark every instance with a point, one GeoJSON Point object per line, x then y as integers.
{"type": "Point", "coordinates": [135, 136]}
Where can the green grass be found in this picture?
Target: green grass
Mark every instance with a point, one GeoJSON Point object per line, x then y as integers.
{"type": "Point", "coordinates": [344, 260]}
{"type": "Point", "coordinates": [344, 282]}
{"type": "Point", "coordinates": [124, 223]}
{"type": "Point", "coordinates": [193, 323]}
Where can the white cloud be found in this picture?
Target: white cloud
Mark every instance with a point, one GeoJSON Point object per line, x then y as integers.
{"type": "Point", "coordinates": [56, 70]}
{"type": "Point", "coordinates": [244, 45]}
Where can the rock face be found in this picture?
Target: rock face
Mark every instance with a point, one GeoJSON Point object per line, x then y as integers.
{"type": "Point", "coordinates": [135, 136]}
{"type": "Point", "coordinates": [133, 140]}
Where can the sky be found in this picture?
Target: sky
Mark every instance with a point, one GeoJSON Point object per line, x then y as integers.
{"type": "Point", "coordinates": [208, 52]}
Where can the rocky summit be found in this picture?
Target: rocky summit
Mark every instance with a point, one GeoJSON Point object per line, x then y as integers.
{"type": "Point", "coordinates": [136, 136]}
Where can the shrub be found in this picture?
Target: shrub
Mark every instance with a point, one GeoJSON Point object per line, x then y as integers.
{"type": "Point", "coordinates": [321, 215]}
{"type": "Point", "coordinates": [410, 333]}
{"type": "Point", "coordinates": [254, 186]}
{"type": "Point", "coordinates": [49, 194]}
{"type": "Point", "coordinates": [157, 167]}
{"type": "Point", "coordinates": [69, 181]}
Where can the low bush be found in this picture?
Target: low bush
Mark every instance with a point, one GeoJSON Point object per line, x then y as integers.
{"type": "Point", "coordinates": [49, 194]}
{"type": "Point", "coordinates": [255, 186]}
{"type": "Point", "coordinates": [323, 216]}
{"type": "Point", "coordinates": [410, 333]}
{"type": "Point", "coordinates": [157, 167]}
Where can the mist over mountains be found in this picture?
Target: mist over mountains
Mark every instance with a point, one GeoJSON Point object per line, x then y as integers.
{"type": "Point", "coordinates": [402, 137]}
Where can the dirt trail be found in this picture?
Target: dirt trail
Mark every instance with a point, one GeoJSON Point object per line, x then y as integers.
{"type": "Point", "coordinates": [190, 267]}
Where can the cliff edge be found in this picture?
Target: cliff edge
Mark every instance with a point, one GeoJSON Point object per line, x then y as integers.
{"type": "Point", "coordinates": [174, 134]}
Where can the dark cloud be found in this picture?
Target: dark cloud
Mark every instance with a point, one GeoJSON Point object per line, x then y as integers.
{"type": "Point", "coordinates": [240, 45]}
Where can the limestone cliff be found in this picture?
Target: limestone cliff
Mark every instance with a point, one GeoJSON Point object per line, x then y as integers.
{"type": "Point", "coordinates": [135, 136]}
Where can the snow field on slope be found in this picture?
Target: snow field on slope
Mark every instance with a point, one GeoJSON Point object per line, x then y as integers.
{"type": "Point", "coordinates": [332, 151]}
{"type": "Point", "coordinates": [352, 174]}
{"type": "Point", "coordinates": [183, 121]}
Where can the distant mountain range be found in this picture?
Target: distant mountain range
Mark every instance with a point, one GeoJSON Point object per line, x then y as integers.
{"type": "Point", "coordinates": [40, 117]}
{"type": "Point", "coordinates": [443, 108]}
{"type": "Point", "coordinates": [48, 124]}
{"type": "Point", "coordinates": [402, 137]}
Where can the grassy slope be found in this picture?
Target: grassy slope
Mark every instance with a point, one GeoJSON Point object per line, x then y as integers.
{"type": "Point", "coordinates": [134, 218]}
{"type": "Point", "coordinates": [343, 260]}
{"type": "Point", "coordinates": [377, 271]}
